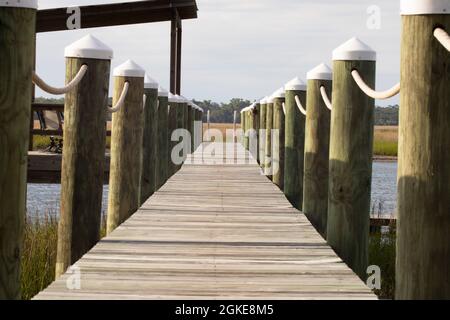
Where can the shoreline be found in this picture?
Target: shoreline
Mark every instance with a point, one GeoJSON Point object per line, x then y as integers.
{"type": "Point", "coordinates": [378, 158]}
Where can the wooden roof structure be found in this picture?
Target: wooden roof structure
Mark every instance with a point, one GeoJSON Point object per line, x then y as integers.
{"type": "Point", "coordinates": [127, 13]}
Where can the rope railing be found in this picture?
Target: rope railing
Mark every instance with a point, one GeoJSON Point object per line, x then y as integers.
{"type": "Point", "coordinates": [122, 98]}
{"type": "Point", "coordinates": [67, 88]}
{"type": "Point", "coordinates": [325, 98]}
{"type": "Point", "coordinates": [300, 106]}
{"type": "Point", "coordinates": [372, 93]}
{"type": "Point", "coordinates": [442, 36]}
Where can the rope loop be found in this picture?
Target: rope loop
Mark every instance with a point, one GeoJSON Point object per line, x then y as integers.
{"type": "Point", "coordinates": [300, 106]}
{"type": "Point", "coordinates": [442, 36]}
{"type": "Point", "coordinates": [122, 98]}
{"type": "Point", "coordinates": [325, 98]}
{"type": "Point", "coordinates": [372, 93]}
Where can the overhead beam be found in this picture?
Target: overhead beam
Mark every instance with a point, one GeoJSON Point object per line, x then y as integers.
{"type": "Point", "coordinates": [117, 14]}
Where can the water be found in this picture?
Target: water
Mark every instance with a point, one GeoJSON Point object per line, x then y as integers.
{"type": "Point", "coordinates": [44, 198]}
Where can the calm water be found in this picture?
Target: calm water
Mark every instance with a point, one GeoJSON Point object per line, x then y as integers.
{"type": "Point", "coordinates": [44, 198]}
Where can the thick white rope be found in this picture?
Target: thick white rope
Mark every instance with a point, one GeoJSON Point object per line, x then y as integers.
{"type": "Point", "coordinates": [284, 108]}
{"type": "Point", "coordinates": [144, 100]}
{"type": "Point", "coordinates": [325, 98]}
{"type": "Point", "coordinates": [372, 93]}
{"type": "Point", "coordinates": [299, 105]}
{"type": "Point", "coordinates": [122, 98]}
{"type": "Point", "coordinates": [442, 36]}
{"type": "Point", "coordinates": [57, 91]}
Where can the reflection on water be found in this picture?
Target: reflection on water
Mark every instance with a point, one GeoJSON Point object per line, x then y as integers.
{"type": "Point", "coordinates": [44, 198]}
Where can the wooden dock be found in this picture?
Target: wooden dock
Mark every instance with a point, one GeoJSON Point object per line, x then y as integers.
{"type": "Point", "coordinates": [214, 231]}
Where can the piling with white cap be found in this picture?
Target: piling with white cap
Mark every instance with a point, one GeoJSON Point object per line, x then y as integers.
{"type": "Point", "coordinates": [181, 125]}
{"type": "Point", "coordinates": [278, 137]}
{"type": "Point", "coordinates": [423, 214]}
{"type": "Point", "coordinates": [268, 163]}
{"type": "Point", "coordinates": [126, 145]}
{"type": "Point", "coordinates": [82, 172]}
{"type": "Point", "coordinates": [351, 149]}
{"type": "Point", "coordinates": [262, 132]}
{"type": "Point", "coordinates": [149, 140]}
{"type": "Point", "coordinates": [294, 142]}
{"type": "Point", "coordinates": [317, 145]}
{"type": "Point", "coordinates": [17, 51]}
{"type": "Point", "coordinates": [256, 127]}
{"type": "Point", "coordinates": [163, 140]}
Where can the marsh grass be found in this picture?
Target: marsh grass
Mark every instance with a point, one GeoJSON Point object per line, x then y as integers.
{"type": "Point", "coordinates": [39, 252]}
{"type": "Point", "coordinates": [382, 253]}
{"type": "Point", "coordinates": [42, 142]}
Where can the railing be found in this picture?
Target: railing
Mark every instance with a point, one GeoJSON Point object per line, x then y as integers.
{"type": "Point", "coordinates": [325, 170]}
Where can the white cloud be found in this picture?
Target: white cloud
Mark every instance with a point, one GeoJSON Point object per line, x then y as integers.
{"type": "Point", "coordinates": [242, 48]}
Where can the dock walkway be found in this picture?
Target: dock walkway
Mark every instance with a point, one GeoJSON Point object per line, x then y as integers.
{"type": "Point", "coordinates": [213, 231]}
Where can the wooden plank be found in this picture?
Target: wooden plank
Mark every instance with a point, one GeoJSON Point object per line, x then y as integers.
{"type": "Point", "coordinates": [214, 232]}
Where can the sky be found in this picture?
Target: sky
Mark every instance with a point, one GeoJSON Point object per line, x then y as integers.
{"type": "Point", "coordinates": [241, 48]}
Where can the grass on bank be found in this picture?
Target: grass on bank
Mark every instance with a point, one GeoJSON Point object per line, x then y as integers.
{"type": "Point", "coordinates": [39, 252]}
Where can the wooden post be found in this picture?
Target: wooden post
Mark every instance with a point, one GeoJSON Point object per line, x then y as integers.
{"type": "Point", "coordinates": [268, 163]}
{"type": "Point", "coordinates": [83, 159]}
{"type": "Point", "coordinates": [17, 32]}
{"type": "Point", "coordinates": [163, 141]}
{"type": "Point", "coordinates": [317, 145]}
{"type": "Point", "coordinates": [126, 145]}
{"type": "Point", "coordinates": [248, 126]}
{"type": "Point", "coordinates": [208, 120]}
{"type": "Point", "coordinates": [262, 132]}
{"type": "Point", "coordinates": [423, 238]}
{"type": "Point", "coordinates": [181, 110]}
{"type": "Point", "coordinates": [351, 148]}
{"type": "Point", "coordinates": [243, 126]}
{"type": "Point", "coordinates": [149, 140]}
{"type": "Point", "coordinates": [234, 125]}
{"type": "Point", "coordinates": [294, 143]}
{"type": "Point", "coordinates": [256, 126]}
{"type": "Point", "coordinates": [191, 122]}
{"type": "Point", "coordinates": [172, 125]}
{"type": "Point", "coordinates": [279, 137]}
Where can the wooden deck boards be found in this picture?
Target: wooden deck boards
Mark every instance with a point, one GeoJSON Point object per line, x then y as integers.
{"type": "Point", "coordinates": [214, 232]}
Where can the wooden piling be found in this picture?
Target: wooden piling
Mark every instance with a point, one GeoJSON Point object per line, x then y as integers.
{"type": "Point", "coordinates": [423, 237]}
{"type": "Point", "coordinates": [191, 122]}
{"type": "Point", "coordinates": [279, 137]}
{"type": "Point", "coordinates": [83, 158]}
{"type": "Point", "coordinates": [294, 142]}
{"type": "Point", "coordinates": [317, 145]}
{"type": "Point", "coordinates": [126, 146]}
{"type": "Point", "coordinates": [351, 147]}
{"type": "Point", "coordinates": [17, 34]}
{"type": "Point", "coordinates": [181, 111]}
{"type": "Point", "coordinates": [268, 163]}
{"type": "Point", "coordinates": [262, 132]}
{"type": "Point", "coordinates": [163, 140]}
{"type": "Point", "coordinates": [149, 140]}
{"type": "Point", "coordinates": [172, 125]}
{"type": "Point", "coordinates": [256, 126]}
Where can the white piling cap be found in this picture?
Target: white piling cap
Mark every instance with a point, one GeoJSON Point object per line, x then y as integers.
{"type": "Point", "coordinates": [173, 98]}
{"type": "Point", "coordinates": [150, 83]}
{"type": "Point", "coordinates": [269, 99]}
{"type": "Point", "coordinates": [162, 92]}
{"type": "Point", "coordinates": [180, 99]}
{"type": "Point", "coordinates": [129, 69]}
{"type": "Point", "coordinates": [417, 7]}
{"type": "Point", "coordinates": [295, 84]}
{"type": "Point", "coordinates": [280, 93]}
{"type": "Point", "coordinates": [321, 72]}
{"type": "Point", "coordinates": [32, 4]}
{"type": "Point", "coordinates": [354, 49]}
{"type": "Point", "coordinates": [89, 47]}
